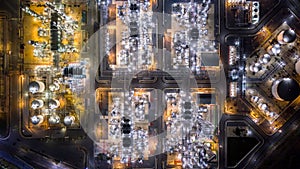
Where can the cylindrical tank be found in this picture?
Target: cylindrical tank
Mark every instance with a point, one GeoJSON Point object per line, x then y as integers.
{"type": "Point", "coordinates": [265, 58]}
{"type": "Point", "coordinates": [269, 50]}
{"type": "Point", "coordinates": [263, 106]}
{"type": "Point", "coordinates": [69, 120]}
{"type": "Point", "coordinates": [276, 49]}
{"type": "Point", "coordinates": [286, 36]}
{"type": "Point", "coordinates": [37, 103]}
{"type": "Point", "coordinates": [256, 67]}
{"type": "Point", "coordinates": [53, 104]}
{"type": "Point", "coordinates": [54, 87]}
{"type": "Point", "coordinates": [36, 87]}
{"type": "Point", "coordinates": [297, 67]}
{"type": "Point", "coordinates": [37, 119]}
{"type": "Point", "coordinates": [285, 89]}
{"type": "Point", "coordinates": [54, 119]}
{"type": "Point", "coordinates": [254, 99]}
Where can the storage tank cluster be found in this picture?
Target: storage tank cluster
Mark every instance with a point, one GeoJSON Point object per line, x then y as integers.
{"type": "Point", "coordinates": [263, 106]}
{"type": "Point", "coordinates": [39, 87]}
{"type": "Point", "coordinates": [285, 89]}
{"type": "Point", "coordinates": [257, 66]}
{"type": "Point", "coordinates": [284, 37]}
{"type": "Point", "coordinates": [274, 49]}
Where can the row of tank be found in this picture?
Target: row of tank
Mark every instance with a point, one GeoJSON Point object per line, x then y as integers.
{"type": "Point", "coordinates": [53, 119]}
{"type": "Point", "coordinates": [283, 89]}
{"type": "Point", "coordinates": [39, 87]}
{"type": "Point", "coordinates": [39, 103]}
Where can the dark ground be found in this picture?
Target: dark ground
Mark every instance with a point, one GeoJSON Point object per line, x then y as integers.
{"type": "Point", "coordinates": [286, 155]}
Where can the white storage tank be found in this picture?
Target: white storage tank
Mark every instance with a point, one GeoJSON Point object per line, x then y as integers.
{"type": "Point", "coordinates": [54, 87]}
{"type": "Point", "coordinates": [37, 103]}
{"type": "Point", "coordinates": [69, 120]}
{"type": "Point", "coordinates": [274, 49]}
{"type": "Point", "coordinates": [37, 119]}
{"type": "Point", "coordinates": [53, 104]}
{"type": "Point", "coordinates": [297, 67]}
{"type": "Point", "coordinates": [36, 87]}
{"type": "Point", "coordinates": [54, 119]}
{"type": "Point", "coordinates": [286, 36]}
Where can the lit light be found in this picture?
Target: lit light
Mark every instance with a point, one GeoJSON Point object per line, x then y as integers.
{"type": "Point", "coordinates": [233, 89]}
{"type": "Point", "coordinates": [179, 156]}
{"type": "Point", "coordinates": [64, 129]}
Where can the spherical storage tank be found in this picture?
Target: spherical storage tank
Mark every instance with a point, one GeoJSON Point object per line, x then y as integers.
{"type": "Point", "coordinates": [266, 58]}
{"type": "Point", "coordinates": [285, 89]}
{"type": "Point", "coordinates": [297, 67]}
{"type": "Point", "coordinates": [54, 87]}
{"type": "Point", "coordinates": [256, 67]}
{"type": "Point", "coordinates": [54, 119]}
{"type": "Point", "coordinates": [53, 104]}
{"type": "Point", "coordinates": [286, 36]}
{"type": "Point", "coordinates": [37, 103]}
{"type": "Point", "coordinates": [274, 49]}
{"type": "Point", "coordinates": [37, 119]}
{"type": "Point", "coordinates": [36, 87]}
{"type": "Point", "coordinates": [68, 120]}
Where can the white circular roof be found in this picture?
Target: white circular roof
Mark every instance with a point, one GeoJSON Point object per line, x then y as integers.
{"type": "Point", "coordinates": [35, 120]}
{"type": "Point", "coordinates": [68, 120]}
{"type": "Point", "coordinates": [54, 119]}
{"type": "Point", "coordinates": [297, 67]}
{"type": "Point", "coordinates": [53, 104]}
